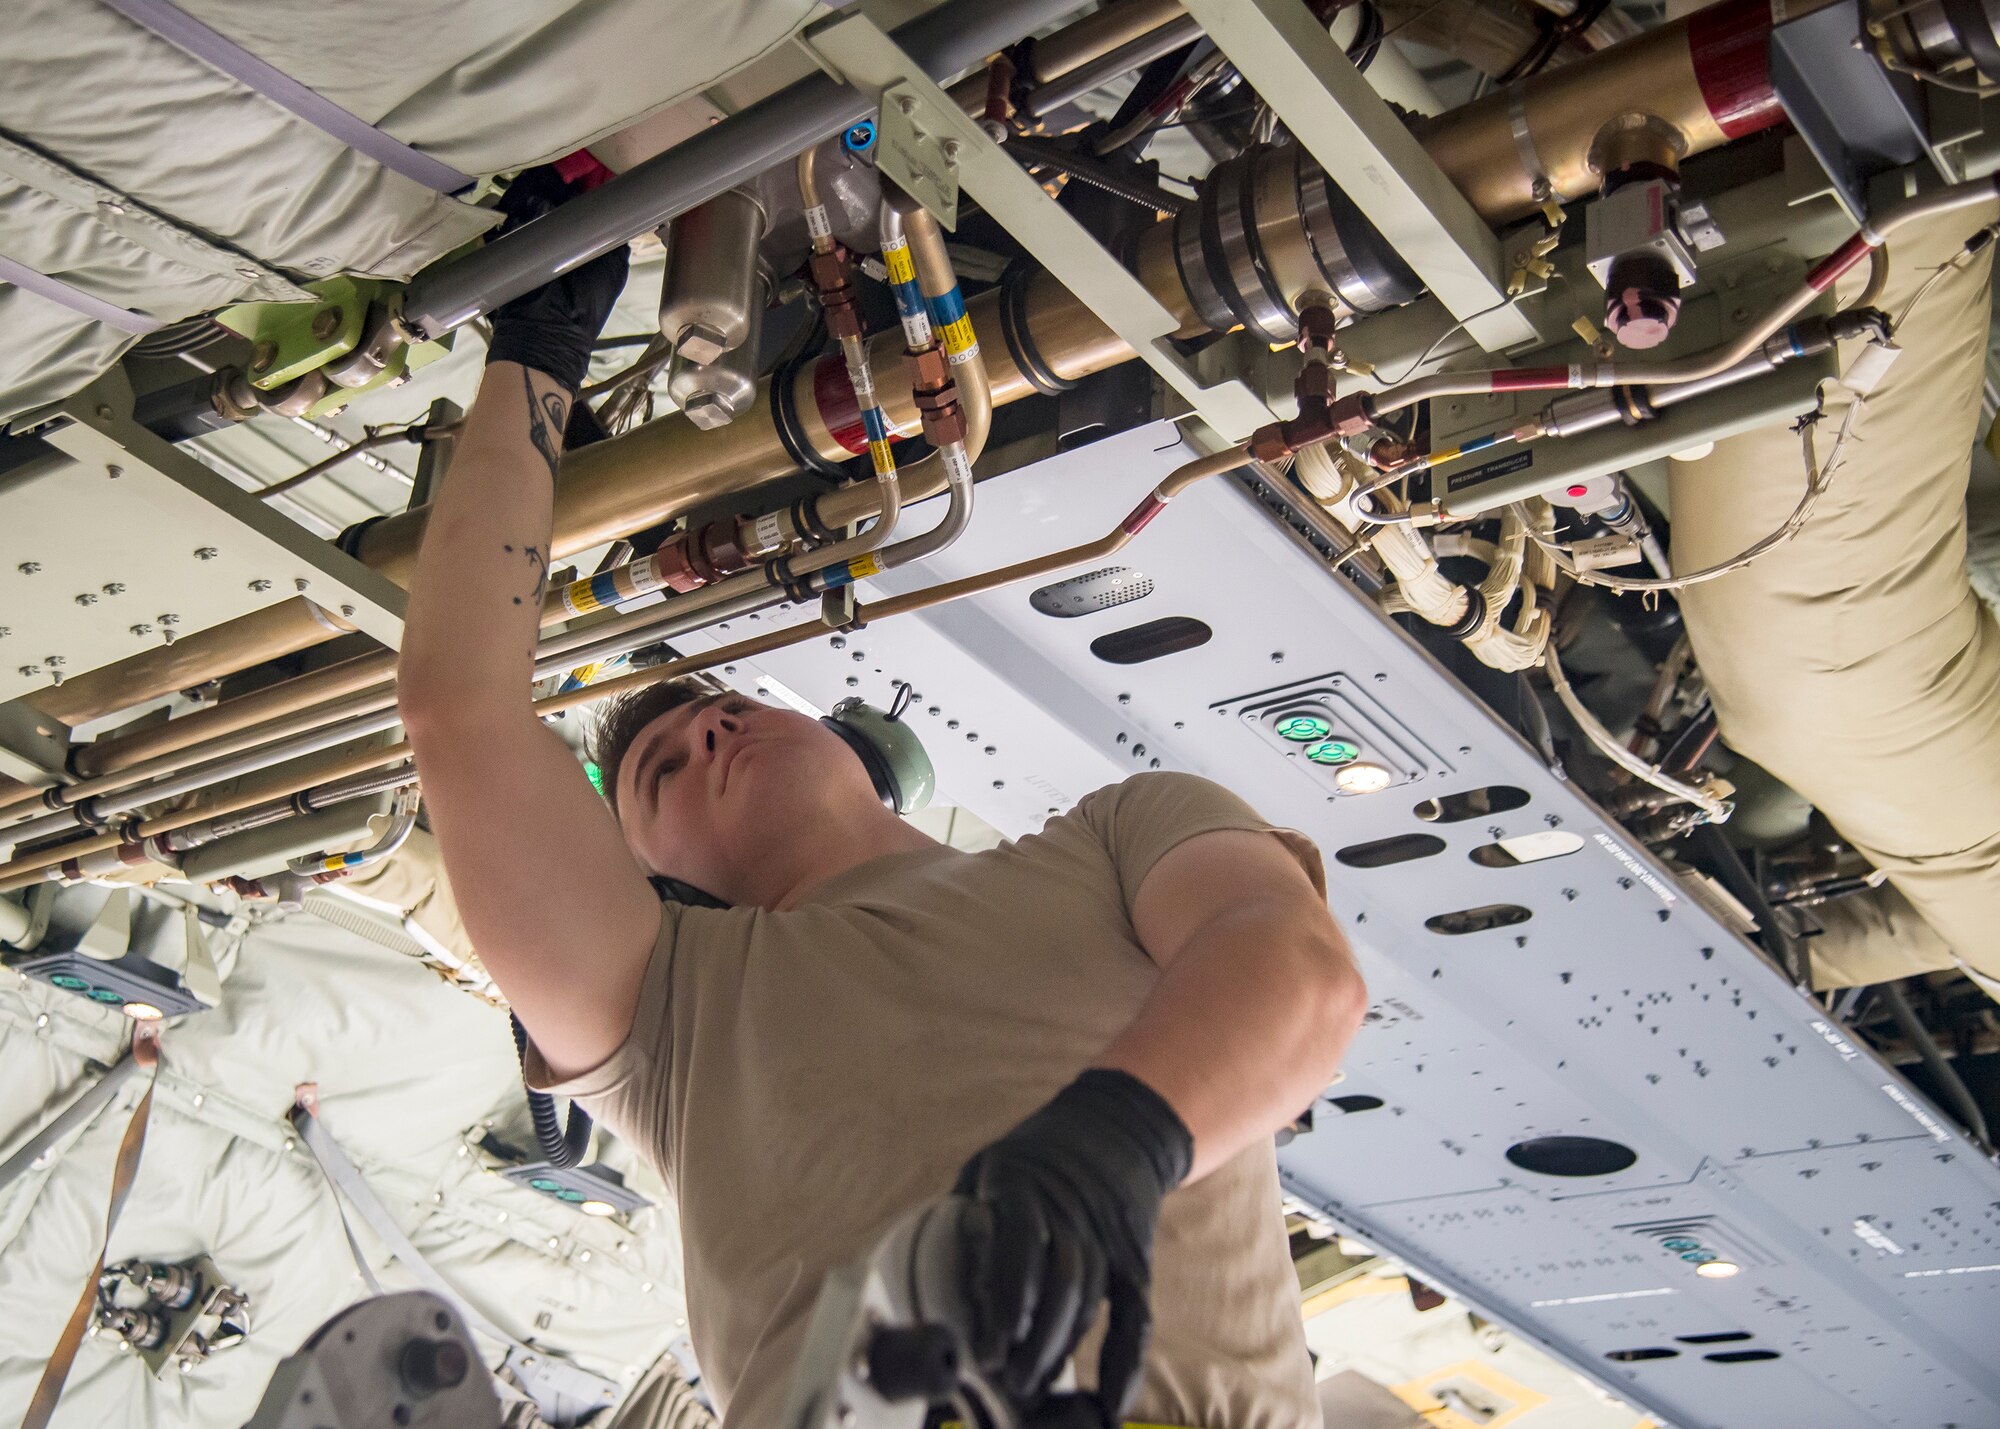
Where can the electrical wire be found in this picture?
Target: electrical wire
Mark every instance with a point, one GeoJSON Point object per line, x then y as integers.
{"type": "Point", "coordinates": [1818, 476]}
{"type": "Point", "coordinates": [1718, 810]}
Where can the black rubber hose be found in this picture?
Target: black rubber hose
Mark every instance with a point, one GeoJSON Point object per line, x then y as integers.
{"type": "Point", "coordinates": [561, 1145]}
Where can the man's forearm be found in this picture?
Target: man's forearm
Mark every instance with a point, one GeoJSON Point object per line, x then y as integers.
{"type": "Point", "coordinates": [476, 600]}
{"type": "Point", "coordinates": [1246, 1026]}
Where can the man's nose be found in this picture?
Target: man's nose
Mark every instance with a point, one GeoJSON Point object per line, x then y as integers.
{"type": "Point", "coordinates": [716, 723]}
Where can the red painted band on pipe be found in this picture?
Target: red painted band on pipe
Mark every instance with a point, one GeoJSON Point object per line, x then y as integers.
{"type": "Point", "coordinates": [833, 394]}
{"type": "Point", "coordinates": [1144, 512]}
{"type": "Point", "coordinates": [1530, 379]}
{"type": "Point", "coordinates": [1729, 46]}
{"type": "Point", "coordinates": [1829, 268]}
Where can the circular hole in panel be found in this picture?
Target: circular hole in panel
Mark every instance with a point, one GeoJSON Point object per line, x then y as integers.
{"type": "Point", "coordinates": [1571, 1156]}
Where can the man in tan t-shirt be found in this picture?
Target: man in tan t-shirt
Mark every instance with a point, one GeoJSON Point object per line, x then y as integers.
{"type": "Point", "coordinates": [1091, 1033]}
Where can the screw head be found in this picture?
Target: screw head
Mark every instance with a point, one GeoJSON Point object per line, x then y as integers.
{"type": "Point", "coordinates": [30, 671]}
{"type": "Point", "coordinates": [347, 610]}
{"type": "Point", "coordinates": [260, 585]}
{"type": "Point", "coordinates": [326, 323]}
{"type": "Point", "coordinates": [29, 568]}
{"type": "Point", "coordinates": [104, 412]}
{"type": "Point", "coordinates": [114, 587]}
{"type": "Point", "coordinates": [142, 629]}
{"type": "Point", "coordinates": [300, 583]}
{"type": "Point", "coordinates": [206, 553]}
{"type": "Point", "coordinates": [950, 149]}
{"type": "Point", "coordinates": [906, 103]}
{"type": "Point", "coordinates": [87, 598]}
{"type": "Point", "coordinates": [170, 619]}
{"type": "Point", "coordinates": [114, 472]}
{"type": "Point", "coordinates": [1277, 657]}
{"type": "Point", "coordinates": [54, 662]}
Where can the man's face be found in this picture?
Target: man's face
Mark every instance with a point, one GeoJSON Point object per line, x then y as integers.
{"type": "Point", "coordinates": [708, 789]}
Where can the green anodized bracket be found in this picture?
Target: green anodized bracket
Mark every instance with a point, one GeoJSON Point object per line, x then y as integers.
{"type": "Point", "coordinates": [292, 339]}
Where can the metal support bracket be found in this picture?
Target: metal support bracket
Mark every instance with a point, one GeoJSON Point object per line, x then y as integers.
{"type": "Point", "coordinates": [870, 60]}
{"type": "Point", "coordinates": [1293, 62]}
{"type": "Point", "coordinates": [34, 747]}
{"type": "Point", "coordinates": [228, 552]}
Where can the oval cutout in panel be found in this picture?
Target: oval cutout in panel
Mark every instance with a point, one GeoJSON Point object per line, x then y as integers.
{"type": "Point", "coordinates": [1742, 1356]}
{"type": "Point", "coordinates": [1091, 592]}
{"type": "Point", "coordinates": [1646, 1352]}
{"type": "Point", "coordinates": [1471, 804]}
{"type": "Point", "coordinates": [1139, 643]}
{"type": "Point", "coordinates": [1477, 920]}
{"type": "Point", "coordinates": [1527, 848]}
{"type": "Point", "coordinates": [1571, 1156]}
{"type": "Point", "coordinates": [1381, 853]}
{"type": "Point", "coordinates": [1352, 1104]}
{"type": "Point", "coordinates": [1725, 1337]}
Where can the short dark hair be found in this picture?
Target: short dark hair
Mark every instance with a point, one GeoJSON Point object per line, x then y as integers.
{"type": "Point", "coordinates": [620, 720]}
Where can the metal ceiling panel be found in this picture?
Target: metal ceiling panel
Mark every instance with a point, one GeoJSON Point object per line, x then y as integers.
{"type": "Point", "coordinates": [1866, 1228]}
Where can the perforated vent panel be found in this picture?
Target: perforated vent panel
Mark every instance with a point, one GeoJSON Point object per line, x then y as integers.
{"type": "Point", "coordinates": [1091, 592]}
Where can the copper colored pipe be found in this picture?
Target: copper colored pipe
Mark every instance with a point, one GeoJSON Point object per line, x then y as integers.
{"type": "Point", "coordinates": [31, 868]}
{"type": "Point", "coordinates": [1706, 75]}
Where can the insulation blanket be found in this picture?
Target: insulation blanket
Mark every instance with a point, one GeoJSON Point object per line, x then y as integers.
{"type": "Point", "coordinates": [411, 1073]}
{"type": "Point", "coordinates": [136, 173]}
{"type": "Point", "coordinates": [1855, 662]}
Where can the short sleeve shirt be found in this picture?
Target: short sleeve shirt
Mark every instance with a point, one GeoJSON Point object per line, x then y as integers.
{"type": "Point", "coordinates": [802, 1077]}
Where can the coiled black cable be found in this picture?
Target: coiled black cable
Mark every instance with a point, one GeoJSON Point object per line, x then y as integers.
{"type": "Point", "coordinates": [561, 1145]}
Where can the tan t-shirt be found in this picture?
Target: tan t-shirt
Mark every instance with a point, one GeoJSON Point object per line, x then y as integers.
{"type": "Point", "coordinates": [801, 1078]}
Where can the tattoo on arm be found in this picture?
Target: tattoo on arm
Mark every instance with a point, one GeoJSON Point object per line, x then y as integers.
{"type": "Point", "coordinates": [538, 562]}
{"type": "Point", "coordinates": [547, 414]}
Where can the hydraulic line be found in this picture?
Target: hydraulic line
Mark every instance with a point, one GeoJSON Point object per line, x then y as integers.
{"type": "Point", "coordinates": [33, 867]}
{"type": "Point", "coordinates": [402, 819]}
{"type": "Point", "coordinates": [1716, 360]}
{"type": "Point", "coordinates": [1705, 75]}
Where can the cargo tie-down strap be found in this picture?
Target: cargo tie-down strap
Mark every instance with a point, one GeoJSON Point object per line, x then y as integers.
{"type": "Point", "coordinates": [145, 1057]}
{"type": "Point", "coordinates": [562, 1391]}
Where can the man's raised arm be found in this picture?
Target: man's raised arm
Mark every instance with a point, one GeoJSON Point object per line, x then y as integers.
{"type": "Point", "coordinates": [559, 911]}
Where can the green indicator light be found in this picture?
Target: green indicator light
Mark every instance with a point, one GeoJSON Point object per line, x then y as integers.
{"type": "Point", "coordinates": [1333, 751]}
{"type": "Point", "coordinates": [1699, 1257]}
{"type": "Point", "coordinates": [1303, 729]}
{"type": "Point", "coordinates": [543, 1183]}
{"type": "Point", "coordinates": [571, 1196]}
{"type": "Point", "coordinates": [69, 982]}
{"type": "Point", "coordinates": [1681, 1242]}
{"type": "Point", "coordinates": [105, 994]}
{"type": "Point", "coordinates": [595, 775]}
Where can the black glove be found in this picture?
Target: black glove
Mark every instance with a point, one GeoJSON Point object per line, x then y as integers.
{"type": "Point", "coordinates": [1071, 1197]}
{"type": "Point", "coordinates": [552, 328]}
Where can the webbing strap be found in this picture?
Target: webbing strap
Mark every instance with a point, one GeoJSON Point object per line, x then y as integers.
{"type": "Point", "coordinates": [146, 1054]}
{"type": "Point", "coordinates": [83, 304]}
{"type": "Point", "coordinates": [182, 30]}
{"type": "Point", "coordinates": [562, 1390]}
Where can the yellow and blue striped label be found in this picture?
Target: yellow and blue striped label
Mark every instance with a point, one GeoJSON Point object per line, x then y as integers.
{"type": "Point", "coordinates": [896, 258]}
{"type": "Point", "coordinates": [948, 315]}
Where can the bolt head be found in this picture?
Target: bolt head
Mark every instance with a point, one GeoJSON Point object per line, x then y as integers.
{"type": "Point", "coordinates": [300, 583]}
{"type": "Point", "coordinates": [260, 586]}
{"type": "Point", "coordinates": [326, 323]}
{"type": "Point", "coordinates": [29, 568]}
{"type": "Point", "coordinates": [206, 553]}
{"type": "Point", "coordinates": [142, 629]}
{"type": "Point", "coordinates": [114, 472]}
{"type": "Point", "coordinates": [114, 587]}
{"type": "Point", "coordinates": [170, 619]}
{"type": "Point", "coordinates": [54, 662]}
{"type": "Point", "coordinates": [950, 148]}
{"type": "Point", "coordinates": [707, 411]}
{"type": "Point", "coordinates": [104, 412]}
{"type": "Point", "coordinates": [30, 671]}
{"type": "Point", "coordinates": [87, 598]}
{"type": "Point", "coordinates": [906, 103]}
{"type": "Point", "coordinates": [347, 610]}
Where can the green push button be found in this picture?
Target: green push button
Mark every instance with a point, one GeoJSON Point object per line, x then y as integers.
{"type": "Point", "coordinates": [1333, 751]}
{"type": "Point", "coordinates": [1303, 729]}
